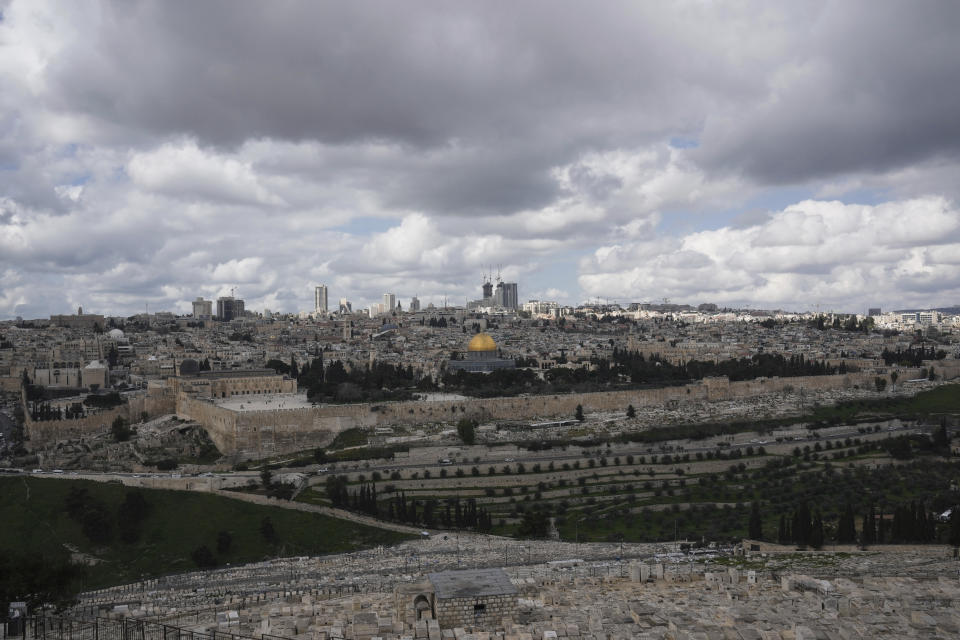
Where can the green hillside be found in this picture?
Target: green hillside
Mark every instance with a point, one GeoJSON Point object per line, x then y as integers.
{"type": "Point", "coordinates": [158, 532]}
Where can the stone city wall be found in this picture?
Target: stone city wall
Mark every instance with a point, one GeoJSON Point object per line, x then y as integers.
{"type": "Point", "coordinates": [537, 407]}
{"type": "Point", "coordinates": [10, 384]}
{"type": "Point", "coordinates": [44, 432]}
{"type": "Point", "coordinates": [259, 434]}
{"type": "Point", "coordinates": [255, 434]}
{"type": "Point", "coordinates": [220, 423]}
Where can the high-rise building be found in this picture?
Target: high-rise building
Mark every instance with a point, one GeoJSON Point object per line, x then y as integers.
{"type": "Point", "coordinates": [202, 309]}
{"type": "Point", "coordinates": [487, 289]}
{"type": "Point", "coordinates": [505, 295]}
{"type": "Point", "coordinates": [320, 299]}
{"type": "Point", "coordinates": [229, 308]}
{"type": "Point", "coordinates": [345, 306]}
{"type": "Point", "coordinates": [510, 299]}
{"type": "Point", "coordinates": [389, 302]}
{"type": "Point", "coordinates": [414, 304]}
{"type": "Point", "coordinates": [874, 312]}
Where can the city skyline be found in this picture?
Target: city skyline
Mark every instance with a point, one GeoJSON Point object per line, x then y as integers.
{"type": "Point", "coordinates": [758, 155]}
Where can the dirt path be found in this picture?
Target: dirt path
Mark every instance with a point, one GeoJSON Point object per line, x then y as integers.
{"type": "Point", "coordinates": [312, 508]}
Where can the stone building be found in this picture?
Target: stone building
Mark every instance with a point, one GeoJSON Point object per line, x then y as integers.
{"type": "Point", "coordinates": [93, 375]}
{"type": "Point", "coordinates": [225, 384]}
{"type": "Point", "coordinates": [471, 598]}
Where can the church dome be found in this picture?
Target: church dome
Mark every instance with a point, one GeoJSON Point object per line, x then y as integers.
{"type": "Point", "coordinates": [482, 342]}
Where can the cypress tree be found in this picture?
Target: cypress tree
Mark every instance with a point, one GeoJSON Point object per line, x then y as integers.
{"type": "Point", "coordinates": [955, 527]}
{"type": "Point", "coordinates": [816, 532]}
{"type": "Point", "coordinates": [869, 535]}
{"type": "Point", "coordinates": [802, 525]}
{"type": "Point", "coordinates": [847, 528]}
{"type": "Point", "coordinates": [756, 523]}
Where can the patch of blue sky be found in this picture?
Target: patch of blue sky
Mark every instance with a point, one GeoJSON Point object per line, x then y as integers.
{"type": "Point", "coordinates": [69, 150]}
{"type": "Point", "coordinates": [366, 225]}
{"type": "Point", "coordinates": [683, 222]}
{"type": "Point", "coordinates": [684, 143]}
{"type": "Point", "coordinates": [560, 272]}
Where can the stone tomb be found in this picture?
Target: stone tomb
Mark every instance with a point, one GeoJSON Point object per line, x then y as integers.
{"type": "Point", "coordinates": [472, 598]}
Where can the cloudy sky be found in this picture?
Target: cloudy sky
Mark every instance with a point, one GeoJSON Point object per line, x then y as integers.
{"type": "Point", "coordinates": [752, 154]}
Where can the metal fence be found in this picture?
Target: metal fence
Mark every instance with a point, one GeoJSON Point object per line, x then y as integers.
{"type": "Point", "coordinates": [55, 628]}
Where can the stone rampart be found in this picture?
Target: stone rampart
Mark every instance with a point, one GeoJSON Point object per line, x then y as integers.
{"type": "Point", "coordinates": [257, 434]}
{"type": "Point", "coordinates": [10, 384]}
{"type": "Point", "coordinates": [44, 432]}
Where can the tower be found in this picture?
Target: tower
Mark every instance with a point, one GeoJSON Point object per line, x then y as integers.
{"type": "Point", "coordinates": [389, 302]}
{"type": "Point", "coordinates": [320, 299]}
{"type": "Point", "coordinates": [510, 299]}
{"type": "Point", "coordinates": [229, 308]}
{"type": "Point", "coordinates": [202, 309]}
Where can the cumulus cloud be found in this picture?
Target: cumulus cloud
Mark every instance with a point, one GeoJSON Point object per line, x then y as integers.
{"type": "Point", "coordinates": [813, 252]}
{"type": "Point", "coordinates": [186, 172]}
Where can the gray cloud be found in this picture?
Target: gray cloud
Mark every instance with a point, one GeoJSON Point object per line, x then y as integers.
{"type": "Point", "coordinates": [873, 88]}
{"type": "Point", "coordinates": [149, 147]}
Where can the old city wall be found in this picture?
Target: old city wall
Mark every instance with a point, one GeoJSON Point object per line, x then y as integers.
{"type": "Point", "coordinates": [156, 403]}
{"type": "Point", "coordinates": [220, 423]}
{"type": "Point", "coordinates": [544, 407]}
{"type": "Point", "coordinates": [44, 432]}
{"type": "Point", "coordinates": [10, 384]}
{"type": "Point", "coordinates": [264, 433]}
{"type": "Point", "coordinates": [40, 433]}
{"type": "Point", "coordinates": [945, 369]}
{"type": "Point", "coordinates": [257, 434]}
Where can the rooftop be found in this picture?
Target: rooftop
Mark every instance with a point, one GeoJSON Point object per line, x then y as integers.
{"type": "Point", "coordinates": [265, 402]}
{"type": "Point", "coordinates": [238, 373]}
{"type": "Point", "coordinates": [472, 583]}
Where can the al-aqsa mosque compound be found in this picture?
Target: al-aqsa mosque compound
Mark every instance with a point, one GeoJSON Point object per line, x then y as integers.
{"type": "Point", "coordinates": [482, 357]}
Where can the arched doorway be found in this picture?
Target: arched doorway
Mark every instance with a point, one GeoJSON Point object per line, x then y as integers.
{"type": "Point", "coordinates": [421, 603]}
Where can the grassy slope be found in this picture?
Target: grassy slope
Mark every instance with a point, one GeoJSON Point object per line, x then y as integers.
{"type": "Point", "coordinates": [34, 521]}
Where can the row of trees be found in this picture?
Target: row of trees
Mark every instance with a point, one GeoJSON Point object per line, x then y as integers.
{"type": "Point", "coordinates": [333, 383]}
{"type": "Point", "coordinates": [802, 527]}
{"type": "Point", "coordinates": [913, 356]}
{"type": "Point", "coordinates": [398, 508]}
{"type": "Point", "coordinates": [850, 323]}
{"type": "Point", "coordinates": [384, 381]}
{"type": "Point", "coordinates": [911, 523]}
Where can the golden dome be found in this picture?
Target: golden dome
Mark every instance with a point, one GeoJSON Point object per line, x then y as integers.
{"type": "Point", "coordinates": [482, 342]}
